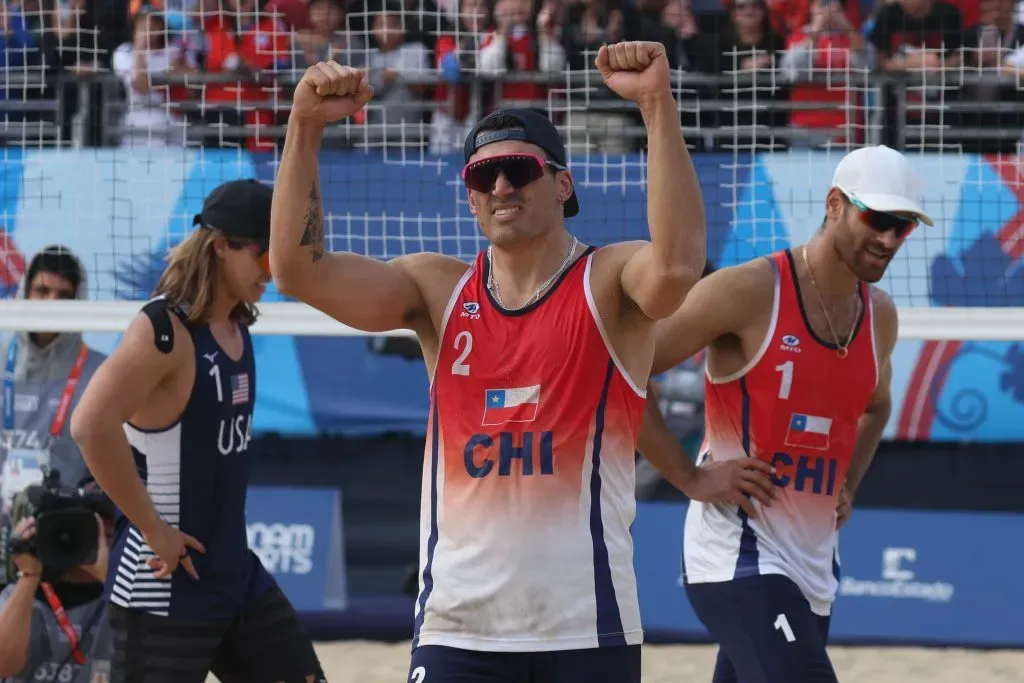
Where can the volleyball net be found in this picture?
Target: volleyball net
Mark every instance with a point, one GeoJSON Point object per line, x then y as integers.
{"type": "Point", "coordinates": [116, 127]}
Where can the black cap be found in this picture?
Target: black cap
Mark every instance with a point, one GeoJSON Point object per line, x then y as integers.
{"type": "Point", "coordinates": [526, 125]}
{"type": "Point", "coordinates": [240, 209]}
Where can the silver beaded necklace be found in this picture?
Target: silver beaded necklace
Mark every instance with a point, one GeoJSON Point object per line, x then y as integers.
{"type": "Point", "coordinates": [492, 283]}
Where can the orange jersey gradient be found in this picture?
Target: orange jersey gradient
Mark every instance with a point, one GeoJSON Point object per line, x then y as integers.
{"type": "Point", "coordinates": [528, 480]}
{"type": "Point", "coordinates": [796, 405]}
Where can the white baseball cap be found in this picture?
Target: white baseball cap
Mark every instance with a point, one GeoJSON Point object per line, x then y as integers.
{"type": "Point", "coordinates": [882, 179]}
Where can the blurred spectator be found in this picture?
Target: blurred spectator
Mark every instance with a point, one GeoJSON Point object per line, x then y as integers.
{"type": "Point", "coordinates": [995, 44]}
{"type": "Point", "coordinates": [48, 371]}
{"type": "Point", "coordinates": [591, 24]}
{"type": "Point", "coordinates": [295, 14]}
{"type": "Point", "coordinates": [149, 121]}
{"type": "Point", "coordinates": [916, 34]}
{"type": "Point", "coordinates": [20, 50]}
{"type": "Point", "coordinates": [919, 37]}
{"type": "Point", "coordinates": [793, 15]}
{"type": "Point", "coordinates": [519, 43]}
{"type": "Point", "coordinates": [746, 54]}
{"type": "Point", "coordinates": [326, 37]}
{"type": "Point", "coordinates": [455, 57]}
{"type": "Point", "coordinates": [397, 107]}
{"type": "Point", "coordinates": [682, 39]}
{"type": "Point", "coordinates": [16, 38]}
{"type": "Point", "coordinates": [749, 42]}
{"type": "Point", "coordinates": [828, 46]}
{"type": "Point", "coordinates": [251, 44]}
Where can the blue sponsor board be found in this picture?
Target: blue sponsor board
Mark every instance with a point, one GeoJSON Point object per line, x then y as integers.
{"type": "Point", "coordinates": [907, 576]}
{"type": "Point", "coordinates": [297, 534]}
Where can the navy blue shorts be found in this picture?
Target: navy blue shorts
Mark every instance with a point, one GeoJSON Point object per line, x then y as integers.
{"type": "Point", "coordinates": [765, 630]}
{"type": "Point", "coordinates": [619, 664]}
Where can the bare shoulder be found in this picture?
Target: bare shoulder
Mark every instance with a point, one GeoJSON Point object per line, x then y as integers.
{"type": "Point", "coordinates": [436, 276]}
{"type": "Point", "coordinates": [426, 265]}
{"type": "Point", "coordinates": [147, 341]}
{"type": "Point", "coordinates": [619, 252]}
{"type": "Point", "coordinates": [886, 318]}
{"type": "Point", "coordinates": [747, 285]}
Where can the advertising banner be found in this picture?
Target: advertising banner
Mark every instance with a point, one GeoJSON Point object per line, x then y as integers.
{"type": "Point", "coordinates": [298, 535]}
{"type": "Point", "coordinates": [906, 576]}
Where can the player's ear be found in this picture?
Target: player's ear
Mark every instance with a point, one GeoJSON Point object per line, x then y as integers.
{"type": "Point", "coordinates": [220, 246]}
{"type": "Point", "coordinates": [472, 204]}
{"type": "Point", "coordinates": [564, 184]}
{"type": "Point", "coordinates": [835, 202]}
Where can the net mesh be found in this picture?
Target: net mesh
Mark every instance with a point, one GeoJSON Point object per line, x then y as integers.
{"type": "Point", "coordinates": [120, 117]}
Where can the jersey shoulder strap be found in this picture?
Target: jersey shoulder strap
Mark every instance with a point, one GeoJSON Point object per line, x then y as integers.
{"type": "Point", "coordinates": [159, 313]}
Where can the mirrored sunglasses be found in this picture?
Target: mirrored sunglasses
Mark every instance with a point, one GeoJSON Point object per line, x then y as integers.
{"type": "Point", "coordinates": [519, 169]}
{"type": "Point", "coordinates": [880, 221]}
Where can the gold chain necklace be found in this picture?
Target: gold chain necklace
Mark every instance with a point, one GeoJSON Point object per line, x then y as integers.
{"type": "Point", "coordinates": [841, 348]}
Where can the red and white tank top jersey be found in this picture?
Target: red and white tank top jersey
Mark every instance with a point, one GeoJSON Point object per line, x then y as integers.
{"type": "Point", "coordinates": [528, 476]}
{"type": "Point", "coordinates": [796, 406]}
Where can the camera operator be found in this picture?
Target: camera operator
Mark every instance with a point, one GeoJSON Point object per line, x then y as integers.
{"type": "Point", "coordinates": [45, 373]}
{"type": "Point", "coordinates": [53, 624]}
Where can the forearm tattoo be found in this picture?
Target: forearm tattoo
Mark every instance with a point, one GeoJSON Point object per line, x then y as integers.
{"type": "Point", "coordinates": [313, 236]}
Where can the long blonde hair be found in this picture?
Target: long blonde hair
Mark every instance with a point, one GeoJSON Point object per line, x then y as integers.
{"type": "Point", "coordinates": [190, 276]}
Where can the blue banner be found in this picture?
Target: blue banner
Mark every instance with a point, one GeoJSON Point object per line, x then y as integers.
{"type": "Point", "coordinates": [125, 222]}
{"type": "Point", "coordinates": [297, 534]}
{"type": "Point", "coordinates": [914, 577]}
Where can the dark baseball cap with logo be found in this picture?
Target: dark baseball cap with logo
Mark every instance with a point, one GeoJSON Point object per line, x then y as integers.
{"type": "Point", "coordinates": [239, 209]}
{"type": "Point", "coordinates": [526, 125]}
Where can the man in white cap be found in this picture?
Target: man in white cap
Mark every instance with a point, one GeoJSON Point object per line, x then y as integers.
{"type": "Point", "coordinates": [797, 398]}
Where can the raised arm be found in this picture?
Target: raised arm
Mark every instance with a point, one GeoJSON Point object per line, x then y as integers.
{"type": "Point", "coordinates": [730, 301]}
{"type": "Point", "coordinates": [116, 392]}
{"type": "Point", "coordinates": [724, 304]}
{"type": "Point", "coordinates": [359, 291]}
{"type": "Point", "coordinates": [658, 276]}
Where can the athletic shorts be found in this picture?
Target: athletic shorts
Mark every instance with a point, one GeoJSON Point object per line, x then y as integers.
{"type": "Point", "coordinates": [765, 630]}
{"type": "Point", "coordinates": [266, 644]}
{"type": "Point", "coordinates": [435, 663]}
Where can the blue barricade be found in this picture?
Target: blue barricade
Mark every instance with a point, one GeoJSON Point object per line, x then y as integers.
{"type": "Point", "coordinates": [907, 576]}
{"type": "Point", "coordinates": [298, 535]}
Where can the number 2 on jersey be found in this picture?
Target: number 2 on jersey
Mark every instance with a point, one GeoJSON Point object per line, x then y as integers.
{"type": "Point", "coordinates": [460, 366]}
{"type": "Point", "coordinates": [419, 673]}
{"type": "Point", "coordinates": [787, 378]}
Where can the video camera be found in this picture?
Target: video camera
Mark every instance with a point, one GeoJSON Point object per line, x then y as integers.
{"type": "Point", "coordinates": [66, 531]}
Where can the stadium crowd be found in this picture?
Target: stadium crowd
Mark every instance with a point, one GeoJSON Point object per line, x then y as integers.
{"type": "Point", "coordinates": [761, 66]}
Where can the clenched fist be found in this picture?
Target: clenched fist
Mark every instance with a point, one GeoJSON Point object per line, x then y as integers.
{"type": "Point", "coordinates": [636, 71]}
{"type": "Point", "coordinates": [329, 92]}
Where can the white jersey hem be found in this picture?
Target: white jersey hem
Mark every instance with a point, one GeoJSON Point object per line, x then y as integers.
{"type": "Point", "coordinates": [527, 645]}
{"type": "Point", "coordinates": [822, 608]}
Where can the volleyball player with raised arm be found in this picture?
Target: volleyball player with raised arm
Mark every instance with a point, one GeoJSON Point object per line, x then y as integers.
{"type": "Point", "coordinates": [164, 426]}
{"type": "Point", "coordinates": [538, 353]}
{"type": "Point", "coordinates": [798, 375]}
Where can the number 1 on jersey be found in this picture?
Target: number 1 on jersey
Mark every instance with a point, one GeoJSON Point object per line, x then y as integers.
{"type": "Point", "coordinates": [782, 624]}
{"type": "Point", "coordinates": [460, 366]}
{"type": "Point", "coordinates": [215, 374]}
{"type": "Point", "coordinates": [787, 378]}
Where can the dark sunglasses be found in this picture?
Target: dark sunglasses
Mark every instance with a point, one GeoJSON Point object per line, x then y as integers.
{"type": "Point", "coordinates": [262, 251]}
{"type": "Point", "coordinates": [880, 221]}
{"type": "Point", "coordinates": [519, 169]}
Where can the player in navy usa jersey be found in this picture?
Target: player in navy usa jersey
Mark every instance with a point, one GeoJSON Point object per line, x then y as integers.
{"type": "Point", "coordinates": [164, 426]}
